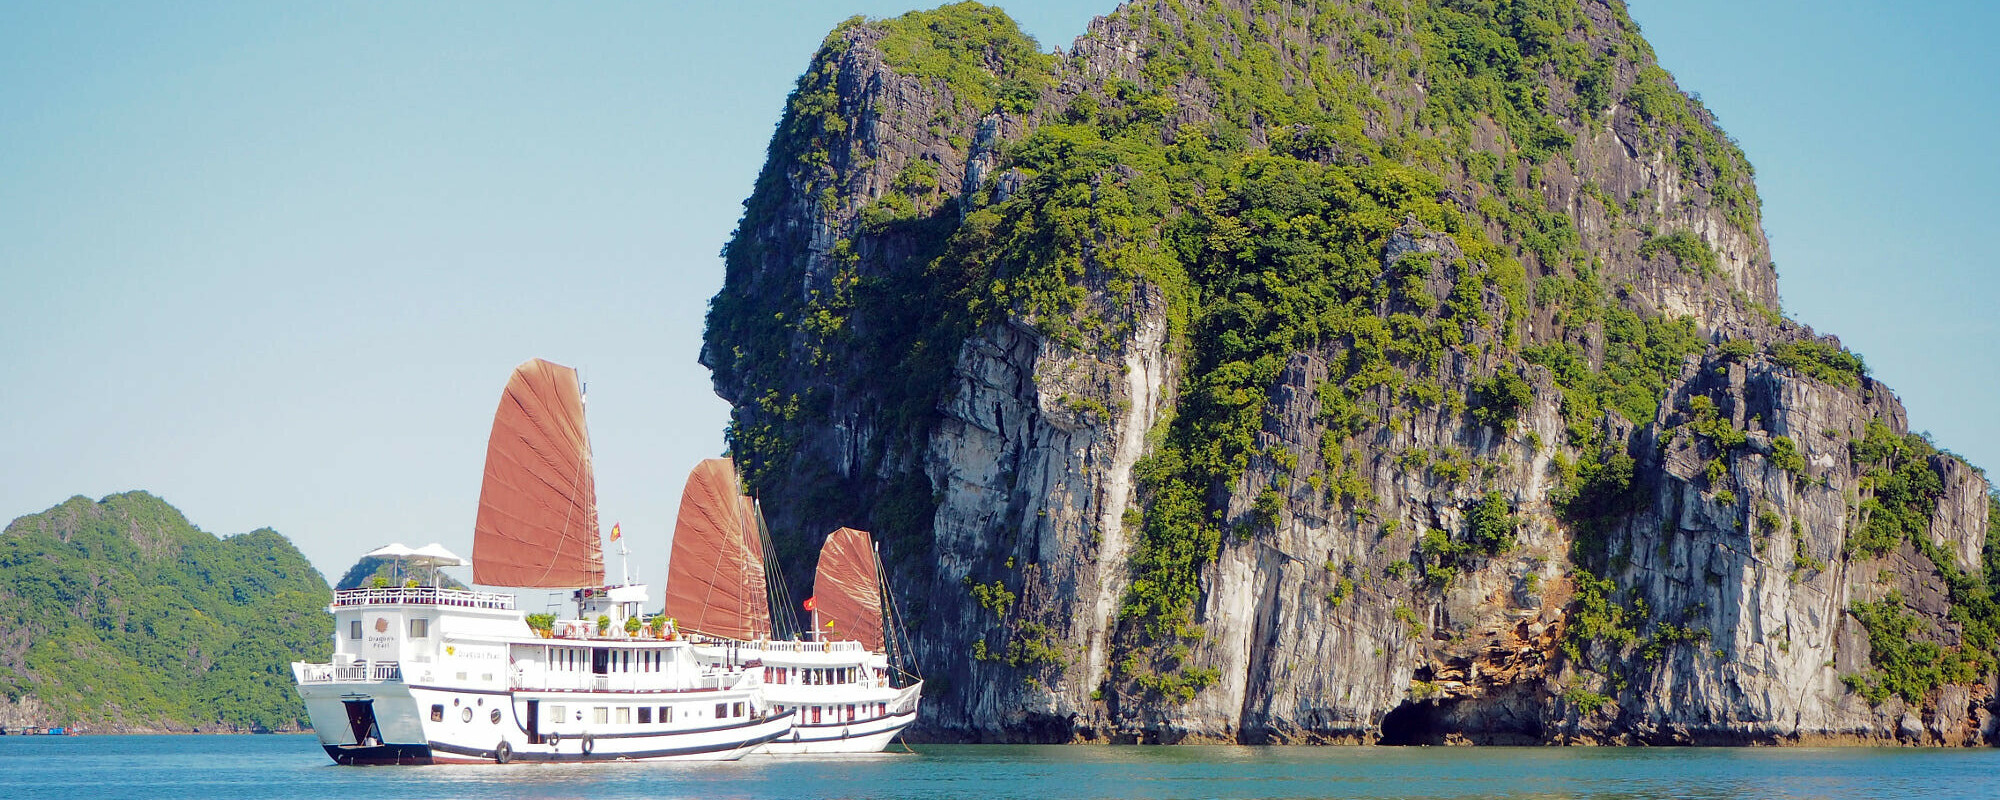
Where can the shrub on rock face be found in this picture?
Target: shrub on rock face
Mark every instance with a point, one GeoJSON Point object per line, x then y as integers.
{"type": "Point", "coordinates": [1498, 401]}
{"type": "Point", "coordinates": [1821, 361]}
{"type": "Point", "coordinates": [1493, 524]}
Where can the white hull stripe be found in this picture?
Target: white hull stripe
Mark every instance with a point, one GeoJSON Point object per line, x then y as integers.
{"type": "Point", "coordinates": [850, 730]}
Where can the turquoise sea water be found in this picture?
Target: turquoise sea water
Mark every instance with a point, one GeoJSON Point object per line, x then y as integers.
{"type": "Point", "coordinates": [75, 768]}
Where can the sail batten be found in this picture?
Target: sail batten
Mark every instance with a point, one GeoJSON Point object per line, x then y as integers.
{"type": "Point", "coordinates": [847, 589]}
{"type": "Point", "coordinates": [715, 576]}
{"type": "Point", "coordinates": [537, 523]}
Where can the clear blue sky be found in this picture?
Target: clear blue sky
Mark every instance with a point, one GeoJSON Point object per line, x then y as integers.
{"type": "Point", "coordinates": [273, 262]}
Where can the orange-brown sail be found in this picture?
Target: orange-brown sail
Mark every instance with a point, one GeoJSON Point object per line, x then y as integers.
{"type": "Point", "coordinates": [537, 523]}
{"type": "Point", "coordinates": [715, 577]}
{"type": "Point", "coordinates": [847, 589]}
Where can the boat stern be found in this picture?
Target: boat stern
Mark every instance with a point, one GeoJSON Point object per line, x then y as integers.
{"type": "Point", "coordinates": [362, 713]}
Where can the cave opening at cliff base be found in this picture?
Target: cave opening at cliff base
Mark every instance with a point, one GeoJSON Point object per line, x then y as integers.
{"type": "Point", "coordinates": [1414, 723]}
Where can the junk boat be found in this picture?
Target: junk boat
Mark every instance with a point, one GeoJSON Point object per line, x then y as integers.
{"type": "Point", "coordinates": [425, 675]}
{"type": "Point", "coordinates": [848, 680]}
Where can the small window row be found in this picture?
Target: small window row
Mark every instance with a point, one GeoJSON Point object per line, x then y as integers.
{"type": "Point", "coordinates": [645, 715]}
{"type": "Point", "coordinates": [812, 676]}
{"type": "Point", "coordinates": [420, 628]}
{"type": "Point", "coordinates": [816, 715]}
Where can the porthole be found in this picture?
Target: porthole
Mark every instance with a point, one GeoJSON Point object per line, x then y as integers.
{"type": "Point", "coordinates": [465, 714]}
{"type": "Point", "coordinates": [495, 716]}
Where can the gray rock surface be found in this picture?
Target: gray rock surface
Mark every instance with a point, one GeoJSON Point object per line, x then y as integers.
{"type": "Point", "coordinates": [1325, 629]}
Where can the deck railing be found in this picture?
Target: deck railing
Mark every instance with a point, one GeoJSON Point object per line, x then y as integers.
{"type": "Point", "coordinates": [423, 596]}
{"type": "Point", "coordinates": [529, 676]}
{"type": "Point", "coordinates": [807, 647]}
{"type": "Point", "coordinates": [357, 672]}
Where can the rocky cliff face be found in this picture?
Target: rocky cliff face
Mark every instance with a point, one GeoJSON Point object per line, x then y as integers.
{"type": "Point", "coordinates": [1323, 372]}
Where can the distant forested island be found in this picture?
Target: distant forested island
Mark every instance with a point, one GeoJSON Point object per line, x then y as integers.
{"type": "Point", "coordinates": [121, 615]}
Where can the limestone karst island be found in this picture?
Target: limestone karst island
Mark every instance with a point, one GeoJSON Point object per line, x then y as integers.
{"type": "Point", "coordinates": [1247, 371]}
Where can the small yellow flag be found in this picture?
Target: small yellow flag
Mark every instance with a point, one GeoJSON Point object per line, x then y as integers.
{"type": "Point", "coordinates": [614, 531]}
{"type": "Point", "coordinates": [829, 623]}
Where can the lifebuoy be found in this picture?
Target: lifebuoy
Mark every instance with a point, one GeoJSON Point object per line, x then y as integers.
{"type": "Point", "coordinates": [503, 752]}
{"type": "Point", "coordinates": [589, 743]}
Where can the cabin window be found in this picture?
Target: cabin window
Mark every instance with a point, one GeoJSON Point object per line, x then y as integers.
{"type": "Point", "coordinates": [850, 713]}
{"type": "Point", "coordinates": [437, 712]}
{"type": "Point", "coordinates": [624, 715]}
{"type": "Point", "coordinates": [816, 715]}
{"type": "Point", "coordinates": [737, 710]}
{"type": "Point", "coordinates": [721, 710]}
{"type": "Point", "coordinates": [354, 629]}
{"type": "Point", "coordinates": [666, 714]}
{"type": "Point", "coordinates": [420, 629]}
{"type": "Point", "coordinates": [881, 709]}
{"type": "Point", "coordinates": [556, 714]}
{"type": "Point", "coordinates": [645, 715]}
{"type": "Point", "coordinates": [494, 717]}
{"type": "Point", "coordinates": [601, 715]}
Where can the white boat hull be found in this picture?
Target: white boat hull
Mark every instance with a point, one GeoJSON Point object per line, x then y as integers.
{"type": "Point", "coordinates": [865, 736]}
{"type": "Point", "coordinates": [395, 728]}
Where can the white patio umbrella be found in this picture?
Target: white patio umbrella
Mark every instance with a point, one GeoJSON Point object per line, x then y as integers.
{"type": "Point", "coordinates": [434, 555]}
{"type": "Point", "coordinates": [397, 551]}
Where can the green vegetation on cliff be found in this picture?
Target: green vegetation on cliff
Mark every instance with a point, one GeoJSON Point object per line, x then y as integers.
{"type": "Point", "coordinates": [120, 613]}
{"type": "Point", "coordinates": [976, 51]}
